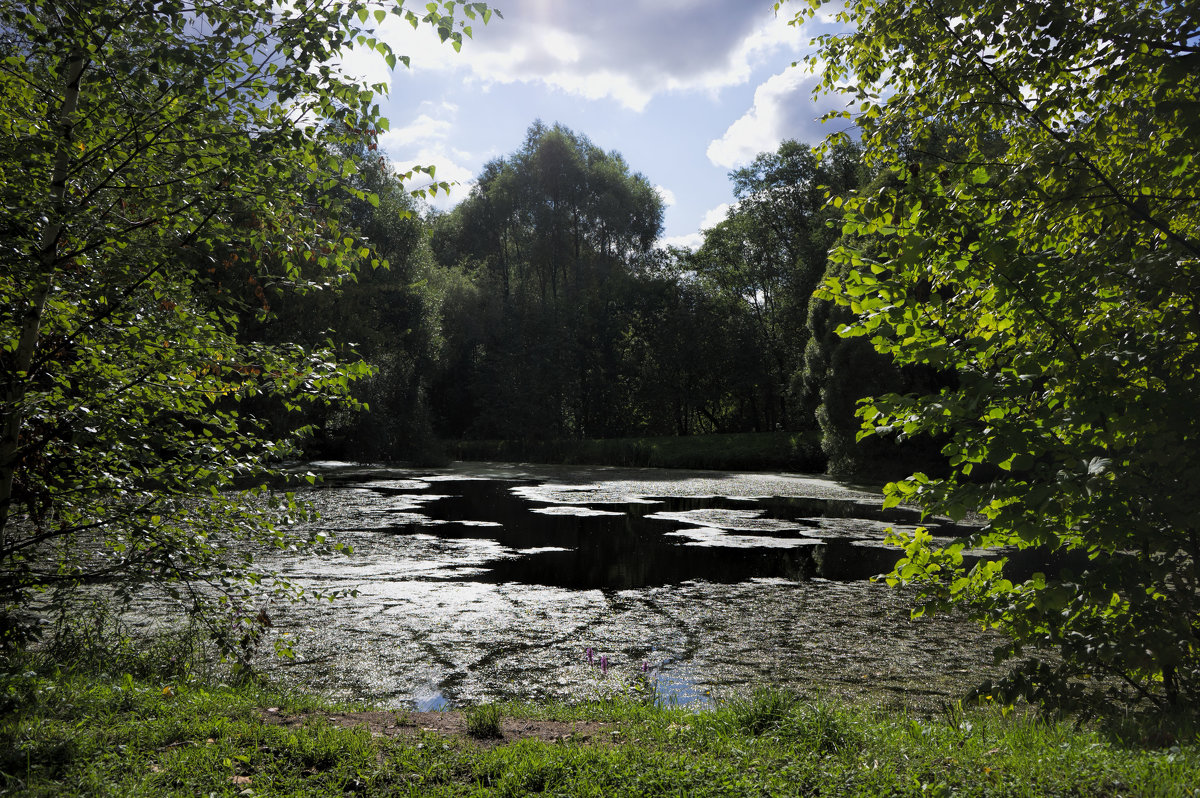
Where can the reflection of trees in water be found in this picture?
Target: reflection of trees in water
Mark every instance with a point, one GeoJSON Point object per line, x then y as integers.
{"type": "Point", "coordinates": [630, 545]}
{"type": "Point", "coordinates": [459, 611]}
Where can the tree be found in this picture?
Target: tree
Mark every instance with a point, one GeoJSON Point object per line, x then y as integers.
{"type": "Point", "coordinates": [558, 228]}
{"type": "Point", "coordinates": [770, 253]}
{"type": "Point", "coordinates": [1051, 263]}
{"type": "Point", "coordinates": [164, 165]}
{"type": "Point", "coordinates": [837, 372]}
{"type": "Point", "coordinates": [385, 316]}
{"type": "Point", "coordinates": [684, 363]}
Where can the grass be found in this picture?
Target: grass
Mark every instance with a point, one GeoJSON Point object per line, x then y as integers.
{"type": "Point", "coordinates": [730, 452]}
{"type": "Point", "coordinates": [89, 734]}
{"type": "Point", "coordinates": [86, 716]}
{"type": "Point", "coordinates": [483, 722]}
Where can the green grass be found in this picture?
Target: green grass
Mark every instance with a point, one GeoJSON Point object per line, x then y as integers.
{"type": "Point", "coordinates": [483, 722]}
{"type": "Point", "coordinates": [730, 452]}
{"type": "Point", "coordinates": [81, 734]}
{"type": "Point", "coordinates": [84, 715]}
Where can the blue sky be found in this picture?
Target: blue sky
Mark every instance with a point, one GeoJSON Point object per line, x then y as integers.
{"type": "Point", "coordinates": [685, 90]}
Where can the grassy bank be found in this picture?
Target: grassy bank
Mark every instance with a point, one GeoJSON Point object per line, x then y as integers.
{"type": "Point", "coordinates": [63, 734]}
{"type": "Point", "coordinates": [753, 451]}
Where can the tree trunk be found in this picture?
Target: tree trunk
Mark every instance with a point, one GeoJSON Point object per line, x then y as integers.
{"type": "Point", "coordinates": [18, 378]}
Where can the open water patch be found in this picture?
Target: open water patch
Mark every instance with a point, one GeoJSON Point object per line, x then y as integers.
{"type": "Point", "coordinates": [592, 537]}
{"type": "Point", "coordinates": [490, 581]}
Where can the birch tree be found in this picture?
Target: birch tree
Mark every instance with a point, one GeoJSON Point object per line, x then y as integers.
{"type": "Point", "coordinates": [163, 165]}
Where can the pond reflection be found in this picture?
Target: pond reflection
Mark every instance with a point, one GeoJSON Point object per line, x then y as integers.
{"type": "Point", "coordinates": [489, 581]}
{"type": "Point", "coordinates": [651, 541]}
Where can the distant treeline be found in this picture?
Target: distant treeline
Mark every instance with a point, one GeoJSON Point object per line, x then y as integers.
{"type": "Point", "coordinates": [540, 310]}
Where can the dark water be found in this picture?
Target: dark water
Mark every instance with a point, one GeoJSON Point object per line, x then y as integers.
{"type": "Point", "coordinates": [489, 581]}
{"type": "Point", "coordinates": [636, 545]}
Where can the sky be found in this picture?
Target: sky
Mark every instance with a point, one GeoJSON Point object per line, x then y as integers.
{"type": "Point", "coordinates": [685, 90]}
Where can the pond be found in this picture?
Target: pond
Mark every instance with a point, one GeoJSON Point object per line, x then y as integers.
{"type": "Point", "coordinates": [486, 581]}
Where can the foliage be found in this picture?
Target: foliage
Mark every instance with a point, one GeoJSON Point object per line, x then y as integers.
{"type": "Point", "coordinates": [550, 237]}
{"type": "Point", "coordinates": [765, 709]}
{"type": "Point", "coordinates": [736, 451]}
{"type": "Point", "coordinates": [770, 253]}
{"type": "Point", "coordinates": [387, 315]}
{"type": "Point", "coordinates": [93, 640]}
{"type": "Point", "coordinates": [567, 325]}
{"type": "Point", "coordinates": [689, 358]}
{"type": "Point", "coordinates": [819, 727]}
{"type": "Point", "coordinates": [76, 735]}
{"type": "Point", "coordinates": [1040, 241]}
{"type": "Point", "coordinates": [163, 167]}
{"type": "Point", "coordinates": [837, 372]}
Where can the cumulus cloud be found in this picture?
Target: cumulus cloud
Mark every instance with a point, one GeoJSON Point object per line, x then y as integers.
{"type": "Point", "coordinates": [425, 141]}
{"type": "Point", "coordinates": [712, 217]}
{"type": "Point", "coordinates": [783, 109]}
{"type": "Point", "coordinates": [449, 169]}
{"type": "Point", "coordinates": [422, 129]}
{"type": "Point", "coordinates": [628, 51]}
{"type": "Point", "coordinates": [689, 241]}
{"type": "Point", "coordinates": [668, 196]}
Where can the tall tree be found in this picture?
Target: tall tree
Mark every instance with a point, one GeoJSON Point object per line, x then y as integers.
{"type": "Point", "coordinates": [559, 226]}
{"type": "Point", "coordinates": [837, 372]}
{"type": "Point", "coordinates": [1058, 277]}
{"type": "Point", "coordinates": [164, 164]}
{"type": "Point", "coordinates": [685, 367]}
{"type": "Point", "coordinates": [770, 252]}
{"type": "Point", "coordinates": [385, 315]}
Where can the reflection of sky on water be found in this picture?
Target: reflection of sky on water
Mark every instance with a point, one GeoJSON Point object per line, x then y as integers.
{"type": "Point", "coordinates": [731, 519]}
{"type": "Point", "coordinates": [719, 538]}
{"type": "Point", "coordinates": [572, 510]}
{"type": "Point", "coordinates": [488, 582]}
{"type": "Point", "coordinates": [681, 687]}
{"type": "Point", "coordinates": [428, 698]}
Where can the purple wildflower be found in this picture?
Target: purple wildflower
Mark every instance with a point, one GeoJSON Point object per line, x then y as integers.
{"type": "Point", "coordinates": [590, 652]}
{"type": "Point", "coordinates": [604, 664]}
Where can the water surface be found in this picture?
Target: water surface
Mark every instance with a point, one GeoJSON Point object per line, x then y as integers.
{"type": "Point", "coordinates": [488, 581]}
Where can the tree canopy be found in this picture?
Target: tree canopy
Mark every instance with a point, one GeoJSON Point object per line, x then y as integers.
{"type": "Point", "coordinates": [770, 252]}
{"type": "Point", "coordinates": [165, 165]}
{"type": "Point", "coordinates": [1040, 240]}
{"type": "Point", "coordinates": [550, 234]}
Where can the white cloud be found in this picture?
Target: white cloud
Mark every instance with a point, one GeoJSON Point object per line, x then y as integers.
{"type": "Point", "coordinates": [712, 217]}
{"type": "Point", "coordinates": [668, 196]}
{"type": "Point", "coordinates": [448, 168]}
{"type": "Point", "coordinates": [422, 129]}
{"type": "Point", "coordinates": [689, 241]}
{"type": "Point", "coordinates": [783, 109]}
{"type": "Point", "coordinates": [425, 141]}
{"type": "Point", "coordinates": [629, 51]}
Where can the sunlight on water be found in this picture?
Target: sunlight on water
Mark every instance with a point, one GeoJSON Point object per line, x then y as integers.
{"type": "Point", "coordinates": [490, 581]}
